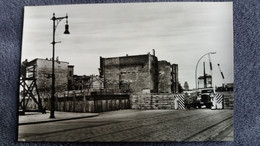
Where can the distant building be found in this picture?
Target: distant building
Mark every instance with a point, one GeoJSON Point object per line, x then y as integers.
{"type": "Point", "coordinates": [205, 82]}
{"type": "Point", "coordinates": [139, 73]}
{"type": "Point", "coordinates": [87, 82]}
{"type": "Point", "coordinates": [80, 82]}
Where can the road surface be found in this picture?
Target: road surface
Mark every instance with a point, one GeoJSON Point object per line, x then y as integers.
{"type": "Point", "coordinates": [136, 125]}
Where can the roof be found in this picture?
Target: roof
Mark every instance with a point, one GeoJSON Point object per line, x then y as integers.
{"type": "Point", "coordinates": [141, 55]}
{"type": "Point", "coordinates": [34, 60]}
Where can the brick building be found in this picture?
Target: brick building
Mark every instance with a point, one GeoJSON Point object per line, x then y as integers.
{"type": "Point", "coordinates": [139, 73]}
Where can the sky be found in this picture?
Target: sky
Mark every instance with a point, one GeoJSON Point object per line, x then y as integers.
{"type": "Point", "coordinates": [180, 33]}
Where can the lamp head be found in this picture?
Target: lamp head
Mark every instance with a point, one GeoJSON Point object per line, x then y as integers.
{"type": "Point", "coordinates": [66, 26]}
{"type": "Point", "coordinates": [66, 29]}
{"type": "Point", "coordinates": [212, 52]}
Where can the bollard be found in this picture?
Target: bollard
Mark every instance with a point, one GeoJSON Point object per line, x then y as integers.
{"type": "Point", "coordinates": [176, 103]}
{"type": "Point", "coordinates": [219, 101]}
{"type": "Point", "coordinates": [213, 100]}
{"type": "Point", "coordinates": [180, 102]}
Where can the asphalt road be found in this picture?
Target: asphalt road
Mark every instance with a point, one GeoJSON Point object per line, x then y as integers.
{"type": "Point", "coordinates": [136, 125]}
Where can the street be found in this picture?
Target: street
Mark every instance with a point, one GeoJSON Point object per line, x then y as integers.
{"type": "Point", "coordinates": [136, 125]}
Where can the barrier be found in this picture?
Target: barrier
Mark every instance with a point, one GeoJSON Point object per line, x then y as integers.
{"type": "Point", "coordinates": [180, 101]}
{"type": "Point", "coordinates": [217, 101]}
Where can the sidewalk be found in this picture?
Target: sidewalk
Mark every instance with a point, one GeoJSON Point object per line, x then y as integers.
{"type": "Point", "coordinates": [38, 117]}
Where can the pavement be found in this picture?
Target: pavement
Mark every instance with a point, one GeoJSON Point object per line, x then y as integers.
{"type": "Point", "coordinates": [38, 117]}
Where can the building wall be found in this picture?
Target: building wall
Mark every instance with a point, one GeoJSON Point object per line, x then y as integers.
{"type": "Point", "coordinates": [70, 77]}
{"type": "Point", "coordinates": [164, 77]}
{"type": "Point", "coordinates": [175, 80]}
{"type": "Point", "coordinates": [44, 73]}
{"type": "Point", "coordinates": [136, 72]}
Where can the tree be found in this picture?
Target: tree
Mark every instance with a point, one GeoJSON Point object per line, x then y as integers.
{"type": "Point", "coordinates": [180, 88]}
{"type": "Point", "coordinates": [186, 86]}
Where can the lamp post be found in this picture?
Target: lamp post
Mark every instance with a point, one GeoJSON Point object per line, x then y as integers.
{"type": "Point", "coordinates": [55, 19]}
{"type": "Point", "coordinates": [196, 78]}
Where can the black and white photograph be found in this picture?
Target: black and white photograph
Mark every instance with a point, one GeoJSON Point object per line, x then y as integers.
{"type": "Point", "coordinates": [127, 72]}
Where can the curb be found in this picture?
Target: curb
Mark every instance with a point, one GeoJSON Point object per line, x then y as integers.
{"type": "Point", "coordinates": [56, 120]}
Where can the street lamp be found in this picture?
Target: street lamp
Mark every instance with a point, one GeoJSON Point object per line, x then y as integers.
{"type": "Point", "coordinates": [58, 20]}
{"type": "Point", "coordinates": [196, 78]}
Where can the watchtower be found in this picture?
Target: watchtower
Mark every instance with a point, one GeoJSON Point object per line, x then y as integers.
{"type": "Point", "coordinates": [28, 87]}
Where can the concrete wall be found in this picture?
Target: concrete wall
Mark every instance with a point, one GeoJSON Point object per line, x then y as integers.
{"type": "Point", "coordinates": [94, 103]}
{"type": "Point", "coordinates": [228, 99]}
{"type": "Point", "coordinates": [152, 101]}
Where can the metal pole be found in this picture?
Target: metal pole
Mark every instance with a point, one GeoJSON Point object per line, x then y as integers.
{"type": "Point", "coordinates": [196, 82]}
{"type": "Point", "coordinates": [204, 75]}
{"type": "Point", "coordinates": [52, 109]}
{"type": "Point", "coordinates": [53, 74]}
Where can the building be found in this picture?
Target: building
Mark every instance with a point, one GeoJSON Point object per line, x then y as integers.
{"type": "Point", "coordinates": [139, 74]}
{"type": "Point", "coordinates": [175, 78]}
{"type": "Point", "coordinates": [41, 70]}
{"type": "Point", "coordinates": [92, 82]}
{"type": "Point", "coordinates": [70, 77]}
{"type": "Point", "coordinates": [167, 77]}
{"type": "Point", "coordinates": [205, 81]}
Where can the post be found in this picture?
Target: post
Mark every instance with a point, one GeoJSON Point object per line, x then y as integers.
{"type": "Point", "coordinates": [54, 19]}
{"type": "Point", "coordinates": [204, 75]}
{"type": "Point", "coordinates": [53, 69]}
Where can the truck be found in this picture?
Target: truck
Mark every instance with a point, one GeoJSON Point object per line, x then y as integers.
{"type": "Point", "coordinates": [202, 98]}
{"type": "Point", "coordinates": [205, 97]}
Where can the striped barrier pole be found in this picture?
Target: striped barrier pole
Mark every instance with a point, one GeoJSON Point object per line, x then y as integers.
{"type": "Point", "coordinates": [180, 100]}
{"type": "Point", "coordinates": [219, 101]}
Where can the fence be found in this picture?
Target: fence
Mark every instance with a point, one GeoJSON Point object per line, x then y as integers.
{"type": "Point", "coordinates": [86, 103]}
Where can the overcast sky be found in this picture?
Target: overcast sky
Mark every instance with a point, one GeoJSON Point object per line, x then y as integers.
{"type": "Point", "coordinates": [180, 32]}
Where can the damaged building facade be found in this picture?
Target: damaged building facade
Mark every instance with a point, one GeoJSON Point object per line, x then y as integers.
{"type": "Point", "coordinates": [168, 77]}
{"type": "Point", "coordinates": [65, 79]}
{"type": "Point", "coordinates": [140, 74]}
{"type": "Point", "coordinates": [41, 69]}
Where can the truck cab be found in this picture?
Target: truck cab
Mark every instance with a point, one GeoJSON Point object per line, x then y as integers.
{"type": "Point", "coordinates": [204, 97]}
